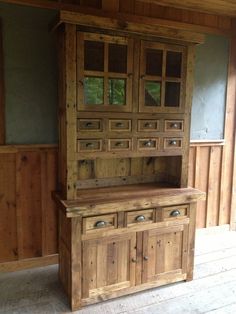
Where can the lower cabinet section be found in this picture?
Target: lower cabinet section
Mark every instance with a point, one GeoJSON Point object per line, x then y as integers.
{"type": "Point", "coordinates": [122, 252]}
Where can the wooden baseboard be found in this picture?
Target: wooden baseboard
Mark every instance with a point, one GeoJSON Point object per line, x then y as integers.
{"type": "Point", "coordinates": [29, 263]}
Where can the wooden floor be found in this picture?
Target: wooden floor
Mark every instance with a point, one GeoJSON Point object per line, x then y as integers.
{"type": "Point", "coordinates": [213, 289]}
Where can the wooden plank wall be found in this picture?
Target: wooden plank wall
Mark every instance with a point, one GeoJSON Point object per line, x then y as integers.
{"type": "Point", "coordinates": [205, 174]}
{"type": "Point", "coordinates": [28, 224]}
{"type": "Point", "coordinates": [28, 217]}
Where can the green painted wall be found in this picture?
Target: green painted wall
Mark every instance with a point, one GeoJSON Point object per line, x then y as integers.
{"type": "Point", "coordinates": [30, 75]}
{"type": "Point", "coordinates": [31, 79]}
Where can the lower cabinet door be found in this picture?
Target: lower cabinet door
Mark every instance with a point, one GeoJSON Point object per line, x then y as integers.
{"type": "Point", "coordinates": [108, 265]}
{"type": "Point", "coordinates": [164, 253]}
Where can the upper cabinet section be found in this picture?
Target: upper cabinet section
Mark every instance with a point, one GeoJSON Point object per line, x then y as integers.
{"type": "Point", "coordinates": [105, 72]}
{"type": "Point", "coordinates": [162, 77]}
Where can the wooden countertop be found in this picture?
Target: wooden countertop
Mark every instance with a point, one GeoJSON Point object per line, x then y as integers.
{"type": "Point", "coordinates": [129, 197]}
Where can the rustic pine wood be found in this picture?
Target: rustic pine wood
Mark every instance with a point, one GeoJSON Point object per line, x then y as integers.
{"type": "Point", "coordinates": [28, 224]}
{"type": "Point", "coordinates": [107, 229]}
{"type": "Point", "coordinates": [225, 7]}
{"type": "Point", "coordinates": [2, 92]}
{"type": "Point", "coordinates": [126, 26]}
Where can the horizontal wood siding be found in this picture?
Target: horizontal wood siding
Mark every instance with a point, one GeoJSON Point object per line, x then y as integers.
{"type": "Point", "coordinates": [28, 224]}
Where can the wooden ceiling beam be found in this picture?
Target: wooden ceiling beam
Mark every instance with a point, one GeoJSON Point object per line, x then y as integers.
{"type": "Point", "coordinates": [219, 7]}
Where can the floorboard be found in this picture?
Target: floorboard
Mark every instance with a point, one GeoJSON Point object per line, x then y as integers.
{"type": "Point", "coordinates": [213, 290]}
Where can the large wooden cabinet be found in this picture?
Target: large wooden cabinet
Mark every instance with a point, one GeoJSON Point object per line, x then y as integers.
{"type": "Point", "coordinates": [126, 216]}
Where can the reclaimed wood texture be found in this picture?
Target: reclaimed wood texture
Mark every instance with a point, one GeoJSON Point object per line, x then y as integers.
{"type": "Point", "coordinates": [2, 93]}
{"type": "Point", "coordinates": [206, 170]}
{"type": "Point", "coordinates": [225, 7]}
{"type": "Point", "coordinates": [28, 224]}
{"type": "Point", "coordinates": [210, 21]}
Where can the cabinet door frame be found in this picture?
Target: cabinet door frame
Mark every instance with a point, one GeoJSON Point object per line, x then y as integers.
{"type": "Point", "coordinates": [81, 72]}
{"type": "Point", "coordinates": [107, 289]}
{"type": "Point", "coordinates": [162, 78]}
{"type": "Point", "coordinates": [184, 228]}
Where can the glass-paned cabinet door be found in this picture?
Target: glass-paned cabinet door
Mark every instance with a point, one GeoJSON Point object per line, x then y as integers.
{"type": "Point", "coordinates": [162, 77]}
{"type": "Point", "coordinates": [105, 72]}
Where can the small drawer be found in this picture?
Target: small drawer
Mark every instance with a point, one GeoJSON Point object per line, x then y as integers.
{"type": "Point", "coordinates": [96, 223]}
{"type": "Point", "coordinates": [119, 125]}
{"type": "Point", "coordinates": [148, 125]}
{"type": "Point", "coordinates": [148, 143]}
{"type": "Point", "coordinates": [139, 217]}
{"type": "Point", "coordinates": [172, 143]}
{"type": "Point", "coordinates": [89, 145]}
{"type": "Point", "coordinates": [175, 212]}
{"type": "Point", "coordinates": [174, 126]}
{"type": "Point", "coordinates": [119, 144]}
{"type": "Point", "coordinates": [89, 125]}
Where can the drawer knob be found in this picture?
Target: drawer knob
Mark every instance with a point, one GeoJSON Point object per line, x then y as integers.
{"type": "Point", "coordinates": [119, 144]}
{"type": "Point", "coordinates": [174, 125]}
{"type": "Point", "coordinates": [120, 125]}
{"type": "Point", "coordinates": [89, 124]}
{"type": "Point", "coordinates": [140, 218]}
{"type": "Point", "coordinates": [89, 145]}
{"type": "Point", "coordinates": [145, 258]}
{"type": "Point", "coordinates": [134, 260]}
{"type": "Point", "coordinates": [148, 125]}
{"type": "Point", "coordinates": [100, 224]}
{"type": "Point", "coordinates": [148, 143]}
{"type": "Point", "coordinates": [175, 213]}
{"type": "Point", "coordinates": [173, 143]}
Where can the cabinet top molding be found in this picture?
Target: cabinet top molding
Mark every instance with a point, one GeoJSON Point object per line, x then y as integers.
{"type": "Point", "coordinates": [126, 198]}
{"type": "Point", "coordinates": [125, 26]}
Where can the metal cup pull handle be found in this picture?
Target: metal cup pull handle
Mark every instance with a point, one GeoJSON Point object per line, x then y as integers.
{"type": "Point", "coordinates": [174, 125]}
{"type": "Point", "coordinates": [140, 218]}
{"type": "Point", "coordinates": [89, 145]}
{"type": "Point", "coordinates": [173, 143]}
{"type": "Point", "coordinates": [175, 213]}
{"type": "Point", "coordinates": [100, 224]}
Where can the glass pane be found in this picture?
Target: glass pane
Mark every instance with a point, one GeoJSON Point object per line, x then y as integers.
{"type": "Point", "coordinates": [173, 64]}
{"type": "Point", "coordinates": [93, 90]}
{"type": "Point", "coordinates": [93, 56]}
{"type": "Point", "coordinates": [154, 62]}
{"type": "Point", "coordinates": [117, 58]}
{"type": "Point", "coordinates": [117, 91]}
{"type": "Point", "coordinates": [172, 96]}
{"type": "Point", "coordinates": [152, 93]}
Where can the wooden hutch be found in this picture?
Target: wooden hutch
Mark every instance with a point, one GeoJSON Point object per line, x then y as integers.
{"type": "Point", "coordinates": [126, 218]}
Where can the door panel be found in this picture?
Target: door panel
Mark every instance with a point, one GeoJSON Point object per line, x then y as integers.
{"type": "Point", "coordinates": [108, 264]}
{"type": "Point", "coordinates": [164, 251]}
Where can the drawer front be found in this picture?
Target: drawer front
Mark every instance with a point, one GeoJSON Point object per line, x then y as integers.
{"type": "Point", "coordinates": [99, 223]}
{"type": "Point", "coordinates": [148, 143]}
{"type": "Point", "coordinates": [172, 143]}
{"type": "Point", "coordinates": [119, 144]}
{"type": "Point", "coordinates": [139, 217]}
{"type": "Point", "coordinates": [148, 125]}
{"type": "Point", "coordinates": [174, 126]}
{"type": "Point", "coordinates": [119, 125]}
{"type": "Point", "coordinates": [89, 145]}
{"type": "Point", "coordinates": [175, 212]}
{"type": "Point", "coordinates": [89, 125]}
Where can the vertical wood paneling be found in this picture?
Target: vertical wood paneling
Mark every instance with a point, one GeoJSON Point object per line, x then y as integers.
{"type": "Point", "coordinates": [205, 174]}
{"type": "Point", "coordinates": [28, 196]}
{"type": "Point", "coordinates": [8, 236]}
{"type": "Point", "coordinates": [2, 93]}
{"type": "Point", "coordinates": [49, 211]}
{"type": "Point", "coordinates": [28, 223]}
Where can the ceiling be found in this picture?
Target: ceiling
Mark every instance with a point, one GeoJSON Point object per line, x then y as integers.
{"type": "Point", "coordinates": [221, 7]}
